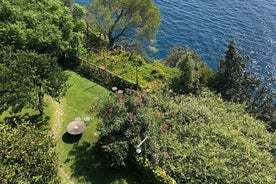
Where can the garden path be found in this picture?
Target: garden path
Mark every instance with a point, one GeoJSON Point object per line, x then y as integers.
{"type": "Point", "coordinates": [56, 128]}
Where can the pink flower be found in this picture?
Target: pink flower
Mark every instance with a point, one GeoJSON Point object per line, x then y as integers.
{"type": "Point", "coordinates": [109, 111]}
{"type": "Point", "coordinates": [166, 154]}
{"type": "Point", "coordinates": [165, 128]}
{"type": "Point", "coordinates": [121, 101]}
{"type": "Point", "coordinates": [131, 115]}
{"type": "Point", "coordinates": [157, 115]}
{"type": "Point", "coordinates": [120, 92]}
{"type": "Point", "coordinates": [139, 103]}
{"type": "Point", "coordinates": [156, 161]}
{"type": "Point", "coordinates": [118, 49]}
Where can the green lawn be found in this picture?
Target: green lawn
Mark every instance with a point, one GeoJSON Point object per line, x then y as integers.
{"type": "Point", "coordinates": [79, 161]}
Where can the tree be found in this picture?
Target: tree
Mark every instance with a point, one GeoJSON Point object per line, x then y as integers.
{"type": "Point", "coordinates": [236, 83]}
{"type": "Point", "coordinates": [125, 23]}
{"type": "Point", "coordinates": [26, 77]}
{"type": "Point", "coordinates": [27, 154]}
{"type": "Point", "coordinates": [194, 73]}
{"type": "Point", "coordinates": [234, 80]}
{"type": "Point", "coordinates": [43, 26]}
{"type": "Point", "coordinates": [262, 105]}
{"type": "Point", "coordinates": [68, 3]}
{"type": "Point", "coordinates": [212, 141]}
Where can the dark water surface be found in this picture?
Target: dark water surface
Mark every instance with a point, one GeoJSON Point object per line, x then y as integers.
{"type": "Point", "coordinates": [208, 26]}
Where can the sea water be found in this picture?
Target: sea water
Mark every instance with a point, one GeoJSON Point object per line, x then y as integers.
{"type": "Point", "coordinates": [208, 26]}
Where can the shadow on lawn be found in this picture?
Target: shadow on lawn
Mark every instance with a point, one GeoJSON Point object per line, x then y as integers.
{"type": "Point", "coordinates": [88, 167]}
{"type": "Point", "coordinates": [70, 139]}
{"type": "Point", "coordinates": [91, 87]}
{"type": "Point", "coordinates": [35, 119]}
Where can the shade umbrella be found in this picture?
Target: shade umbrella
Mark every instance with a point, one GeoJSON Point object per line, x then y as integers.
{"type": "Point", "coordinates": [76, 127]}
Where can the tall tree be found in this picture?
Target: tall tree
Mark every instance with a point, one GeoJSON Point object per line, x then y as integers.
{"type": "Point", "coordinates": [125, 22]}
{"type": "Point", "coordinates": [194, 73]}
{"type": "Point", "coordinates": [263, 105]}
{"type": "Point", "coordinates": [236, 83]}
{"type": "Point", "coordinates": [26, 77]}
{"type": "Point", "coordinates": [234, 80]}
{"type": "Point", "coordinates": [68, 3]}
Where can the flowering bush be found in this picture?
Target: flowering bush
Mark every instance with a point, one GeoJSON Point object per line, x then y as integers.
{"type": "Point", "coordinates": [127, 119]}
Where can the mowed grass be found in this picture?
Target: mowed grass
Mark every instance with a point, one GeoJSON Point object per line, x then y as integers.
{"type": "Point", "coordinates": [79, 161]}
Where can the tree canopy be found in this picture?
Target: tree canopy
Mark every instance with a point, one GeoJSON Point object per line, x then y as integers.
{"type": "Point", "coordinates": [212, 141]}
{"type": "Point", "coordinates": [27, 154]}
{"type": "Point", "coordinates": [26, 77]}
{"type": "Point", "coordinates": [40, 25]}
{"type": "Point", "coordinates": [195, 74]}
{"type": "Point", "coordinates": [234, 79]}
{"type": "Point", "coordinates": [125, 22]}
{"type": "Point", "coordinates": [236, 83]}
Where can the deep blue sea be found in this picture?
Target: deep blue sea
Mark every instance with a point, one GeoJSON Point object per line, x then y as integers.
{"type": "Point", "coordinates": [208, 26]}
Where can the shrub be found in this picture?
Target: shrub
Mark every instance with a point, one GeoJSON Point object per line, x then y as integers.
{"type": "Point", "coordinates": [27, 155]}
{"type": "Point", "coordinates": [127, 119]}
{"type": "Point", "coordinates": [210, 141]}
{"type": "Point", "coordinates": [152, 175]}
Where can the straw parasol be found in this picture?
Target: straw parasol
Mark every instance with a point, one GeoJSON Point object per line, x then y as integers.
{"type": "Point", "coordinates": [76, 127]}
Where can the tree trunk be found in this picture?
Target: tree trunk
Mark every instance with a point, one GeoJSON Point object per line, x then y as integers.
{"type": "Point", "coordinates": [40, 101]}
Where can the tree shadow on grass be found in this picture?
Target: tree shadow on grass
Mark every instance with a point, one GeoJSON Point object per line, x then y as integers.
{"type": "Point", "coordinates": [35, 119]}
{"type": "Point", "coordinates": [70, 139]}
{"type": "Point", "coordinates": [91, 87]}
{"type": "Point", "coordinates": [88, 167]}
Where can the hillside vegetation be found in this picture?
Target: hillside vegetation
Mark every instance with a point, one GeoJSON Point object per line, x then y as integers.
{"type": "Point", "coordinates": [181, 122]}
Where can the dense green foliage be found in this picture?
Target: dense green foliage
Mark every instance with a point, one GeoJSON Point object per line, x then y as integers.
{"type": "Point", "coordinates": [151, 75]}
{"type": "Point", "coordinates": [128, 23]}
{"type": "Point", "coordinates": [68, 3]}
{"type": "Point", "coordinates": [127, 120]}
{"type": "Point", "coordinates": [26, 77]}
{"type": "Point", "coordinates": [152, 175]}
{"type": "Point", "coordinates": [194, 73]}
{"type": "Point", "coordinates": [193, 139]}
{"type": "Point", "coordinates": [263, 106]}
{"type": "Point", "coordinates": [236, 83]}
{"type": "Point", "coordinates": [210, 141]}
{"type": "Point", "coordinates": [27, 155]}
{"type": "Point", "coordinates": [234, 80]}
{"type": "Point", "coordinates": [40, 25]}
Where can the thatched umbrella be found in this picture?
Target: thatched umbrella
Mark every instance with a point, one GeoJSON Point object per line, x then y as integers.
{"type": "Point", "coordinates": [76, 127]}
